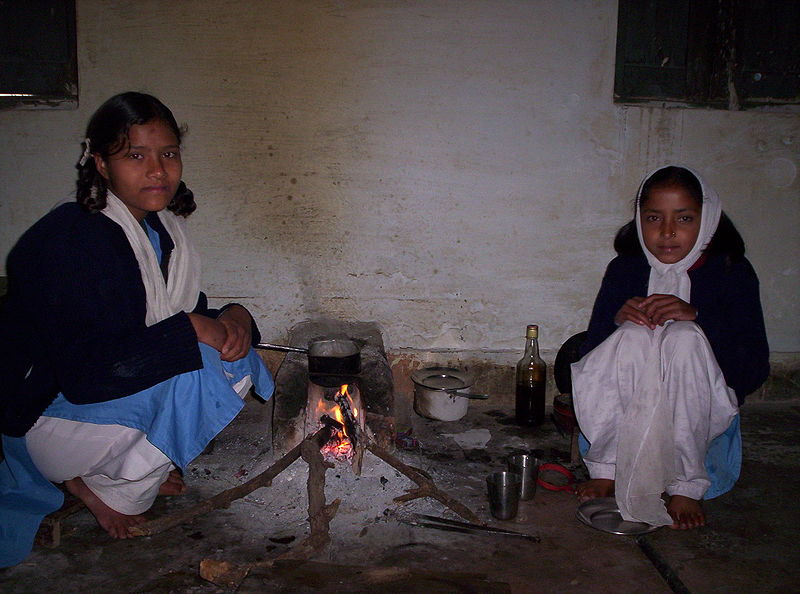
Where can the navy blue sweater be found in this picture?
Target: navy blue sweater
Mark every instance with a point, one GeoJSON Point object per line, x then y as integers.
{"type": "Point", "coordinates": [729, 312]}
{"type": "Point", "coordinates": [73, 320]}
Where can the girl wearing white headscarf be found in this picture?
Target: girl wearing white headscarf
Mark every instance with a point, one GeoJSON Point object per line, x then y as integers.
{"type": "Point", "coordinates": [675, 343]}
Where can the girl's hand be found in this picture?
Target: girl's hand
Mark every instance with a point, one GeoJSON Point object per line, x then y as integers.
{"type": "Point", "coordinates": [632, 311]}
{"type": "Point", "coordinates": [660, 308]}
{"type": "Point", "coordinates": [209, 331]}
{"type": "Point", "coordinates": [236, 320]}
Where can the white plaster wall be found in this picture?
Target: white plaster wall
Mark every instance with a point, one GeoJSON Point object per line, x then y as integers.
{"type": "Point", "coordinates": [452, 169]}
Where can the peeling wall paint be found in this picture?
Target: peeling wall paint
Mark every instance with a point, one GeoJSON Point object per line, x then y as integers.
{"type": "Point", "coordinates": [453, 170]}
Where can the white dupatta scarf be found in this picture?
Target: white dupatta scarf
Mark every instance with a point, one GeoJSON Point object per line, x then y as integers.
{"type": "Point", "coordinates": [673, 279]}
{"type": "Point", "coordinates": [645, 454]}
{"type": "Point", "coordinates": [182, 288]}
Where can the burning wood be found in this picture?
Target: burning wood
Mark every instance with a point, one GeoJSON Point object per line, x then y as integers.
{"type": "Point", "coordinates": [328, 430]}
{"type": "Point", "coordinates": [348, 443]}
{"type": "Point", "coordinates": [349, 414]}
{"type": "Point", "coordinates": [338, 447]}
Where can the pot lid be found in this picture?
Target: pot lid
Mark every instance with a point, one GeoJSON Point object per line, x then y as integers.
{"type": "Point", "coordinates": [442, 378]}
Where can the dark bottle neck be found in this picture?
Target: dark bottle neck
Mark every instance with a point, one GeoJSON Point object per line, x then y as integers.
{"type": "Point", "coordinates": [532, 347]}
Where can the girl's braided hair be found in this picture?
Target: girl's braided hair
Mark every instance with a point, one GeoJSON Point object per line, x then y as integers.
{"type": "Point", "coordinates": [107, 134]}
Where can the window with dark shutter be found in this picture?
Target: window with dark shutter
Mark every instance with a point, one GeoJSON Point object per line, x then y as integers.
{"type": "Point", "coordinates": [38, 65]}
{"type": "Point", "coordinates": [727, 54]}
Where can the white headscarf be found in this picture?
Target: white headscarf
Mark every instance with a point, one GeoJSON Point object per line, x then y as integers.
{"type": "Point", "coordinates": [182, 288]}
{"type": "Point", "coordinates": [673, 279]}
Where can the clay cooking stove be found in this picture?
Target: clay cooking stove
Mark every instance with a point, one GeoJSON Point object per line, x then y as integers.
{"type": "Point", "coordinates": [361, 403]}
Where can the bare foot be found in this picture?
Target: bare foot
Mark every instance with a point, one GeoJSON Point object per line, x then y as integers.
{"type": "Point", "coordinates": [110, 520]}
{"type": "Point", "coordinates": [174, 484]}
{"type": "Point", "coordinates": [594, 488]}
{"type": "Point", "coordinates": [686, 512]}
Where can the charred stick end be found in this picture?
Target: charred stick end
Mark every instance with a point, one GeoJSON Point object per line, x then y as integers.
{"type": "Point", "coordinates": [353, 429]}
{"type": "Point", "coordinates": [329, 428]}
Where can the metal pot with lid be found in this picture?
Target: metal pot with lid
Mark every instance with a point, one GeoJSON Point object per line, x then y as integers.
{"type": "Point", "coordinates": [439, 392]}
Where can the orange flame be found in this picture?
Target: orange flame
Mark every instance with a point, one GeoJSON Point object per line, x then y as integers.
{"type": "Point", "coordinates": [340, 446]}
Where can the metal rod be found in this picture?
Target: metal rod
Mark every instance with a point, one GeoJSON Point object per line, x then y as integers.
{"type": "Point", "coordinates": [281, 347]}
{"type": "Point", "coordinates": [673, 581]}
{"type": "Point", "coordinates": [476, 529]}
{"type": "Point", "coordinates": [479, 527]}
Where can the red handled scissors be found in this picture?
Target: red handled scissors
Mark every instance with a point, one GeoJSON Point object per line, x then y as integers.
{"type": "Point", "coordinates": [550, 466]}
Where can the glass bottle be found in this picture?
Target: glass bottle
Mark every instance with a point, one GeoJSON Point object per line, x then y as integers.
{"type": "Point", "coordinates": [531, 374]}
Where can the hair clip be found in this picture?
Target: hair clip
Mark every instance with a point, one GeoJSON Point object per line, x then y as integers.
{"type": "Point", "coordinates": [87, 152]}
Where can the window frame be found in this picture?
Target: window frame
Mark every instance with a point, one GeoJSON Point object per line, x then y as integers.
{"type": "Point", "coordinates": [707, 54]}
{"type": "Point", "coordinates": [31, 78]}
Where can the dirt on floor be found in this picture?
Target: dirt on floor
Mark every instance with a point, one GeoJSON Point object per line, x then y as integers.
{"type": "Point", "coordinates": [749, 543]}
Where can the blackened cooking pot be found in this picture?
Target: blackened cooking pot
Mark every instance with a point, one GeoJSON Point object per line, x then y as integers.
{"type": "Point", "coordinates": [334, 356]}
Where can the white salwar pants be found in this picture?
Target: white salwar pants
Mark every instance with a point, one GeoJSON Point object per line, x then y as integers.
{"type": "Point", "coordinates": [652, 401]}
{"type": "Point", "coordinates": [116, 463]}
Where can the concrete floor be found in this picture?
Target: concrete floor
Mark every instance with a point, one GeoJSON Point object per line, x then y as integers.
{"type": "Point", "coordinates": [749, 545]}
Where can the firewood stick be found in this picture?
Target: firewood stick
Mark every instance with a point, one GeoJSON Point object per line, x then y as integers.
{"type": "Point", "coordinates": [320, 514]}
{"type": "Point", "coordinates": [427, 488]}
{"type": "Point", "coordinates": [225, 498]}
{"type": "Point", "coordinates": [230, 575]}
{"type": "Point", "coordinates": [317, 467]}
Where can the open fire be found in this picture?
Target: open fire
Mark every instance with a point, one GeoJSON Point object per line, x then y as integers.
{"type": "Point", "coordinates": [341, 410]}
{"type": "Point", "coordinates": [340, 446]}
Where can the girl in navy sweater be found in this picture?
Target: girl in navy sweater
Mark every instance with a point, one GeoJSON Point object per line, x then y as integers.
{"type": "Point", "coordinates": [675, 343]}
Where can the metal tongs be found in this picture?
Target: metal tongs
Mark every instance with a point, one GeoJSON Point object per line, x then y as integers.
{"type": "Point", "coordinates": [465, 527]}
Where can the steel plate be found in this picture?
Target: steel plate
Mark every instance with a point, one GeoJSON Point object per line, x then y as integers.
{"type": "Point", "coordinates": [603, 514]}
